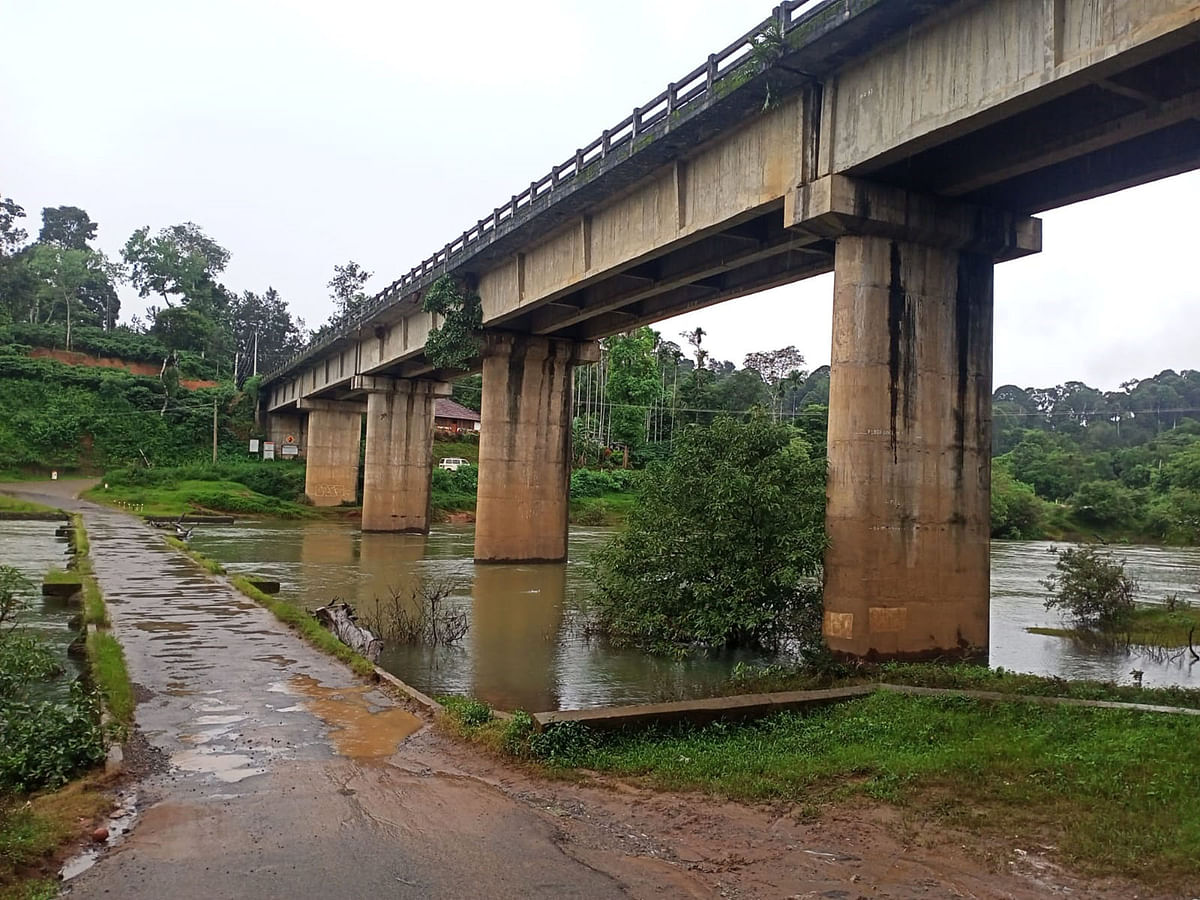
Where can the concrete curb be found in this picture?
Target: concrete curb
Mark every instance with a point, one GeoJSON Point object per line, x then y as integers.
{"type": "Point", "coordinates": [699, 712]}
{"type": "Point", "coordinates": [424, 700]}
{"type": "Point", "coordinates": [1034, 698]}
{"type": "Point", "coordinates": [752, 706]}
{"type": "Point", "coordinates": [114, 758]}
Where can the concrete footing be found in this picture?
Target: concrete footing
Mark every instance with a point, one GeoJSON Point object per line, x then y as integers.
{"type": "Point", "coordinates": [525, 447]}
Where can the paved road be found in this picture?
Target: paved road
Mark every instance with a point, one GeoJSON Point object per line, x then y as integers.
{"type": "Point", "coordinates": [271, 760]}
{"type": "Point", "coordinates": [267, 770]}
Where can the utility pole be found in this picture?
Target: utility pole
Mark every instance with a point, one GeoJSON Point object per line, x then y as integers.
{"type": "Point", "coordinates": [214, 431]}
{"type": "Point", "coordinates": [255, 372]}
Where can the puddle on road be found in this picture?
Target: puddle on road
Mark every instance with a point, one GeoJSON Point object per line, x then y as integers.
{"type": "Point", "coordinates": [161, 625]}
{"type": "Point", "coordinates": [228, 767]}
{"type": "Point", "coordinates": [356, 731]}
{"type": "Point", "coordinates": [280, 661]}
{"type": "Point", "coordinates": [120, 823]}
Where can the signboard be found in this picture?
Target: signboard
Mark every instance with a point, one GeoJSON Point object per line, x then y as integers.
{"type": "Point", "coordinates": [254, 445]}
{"type": "Point", "coordinates": [268, 449]}
{"type": "Point", "coordinates": [289, 450]}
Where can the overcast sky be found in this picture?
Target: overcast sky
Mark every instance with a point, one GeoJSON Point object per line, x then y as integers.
{"type": "Point", "coordinates": [302, 134]}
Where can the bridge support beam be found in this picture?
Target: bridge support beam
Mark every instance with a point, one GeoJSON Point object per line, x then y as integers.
{"type": "Point", "coordinates": [332, 451]}
{"type": "Point", "coordinates": [907, 567]}
{"type": "Point", "coordinates": [525, 447]}
{"type": "Point", "coordinates": [399, 457]}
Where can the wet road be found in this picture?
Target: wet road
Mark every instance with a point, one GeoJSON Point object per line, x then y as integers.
{"type": "Point", "coordinates": [270, 757]}
{"type": "Point", "coordinates": [264, 769]}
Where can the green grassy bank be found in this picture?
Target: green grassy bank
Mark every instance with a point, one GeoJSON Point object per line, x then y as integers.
{"type": "Point", "coordinates": [1151, 626]}
{"type": "Point", "coordinates": [1111, 790]}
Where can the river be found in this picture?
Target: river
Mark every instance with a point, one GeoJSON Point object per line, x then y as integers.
{"type": "Point", "coordinates": [31, 548]}
{"type": "Point", "coordinates": [527, 649]}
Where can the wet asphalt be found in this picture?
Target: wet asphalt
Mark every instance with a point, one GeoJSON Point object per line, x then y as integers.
{"type": "Point", "coordinates": [271, 771]}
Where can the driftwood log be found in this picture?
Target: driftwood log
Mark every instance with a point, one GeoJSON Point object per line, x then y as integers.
{"type": "Point", "coordinates": [339, 618]}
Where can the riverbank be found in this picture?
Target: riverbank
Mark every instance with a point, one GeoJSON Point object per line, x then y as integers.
{"type": "Point", "coordinates": [1149, 626]}
{"type": "Point", "coordinates": [55, 808]}
{"type": "Point", "coordinates": [1102, 791]}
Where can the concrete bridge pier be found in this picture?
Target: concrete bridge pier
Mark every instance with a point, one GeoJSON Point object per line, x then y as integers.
{"type": "Point", "coordinates": [907, 568]}
{"type": "Point", "coordinates": [284, 425]}
{"type": "Point", "coordinates": [399, 456]}
{"type": "Point", "coordinates": [332, 450]}
{"type": "Point", "coordinates": [525, 447]}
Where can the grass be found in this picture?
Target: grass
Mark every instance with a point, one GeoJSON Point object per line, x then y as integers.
{"type": "Point", "coordinates": [34, 829]}
{"type": "Point", "coordinates": [211, 566]}
{"type": "Point", "coordinates": [961, 676]}
{"type": "Point", "coordinates": [14, 505]}
{"type": "Point", "coordinates": [309, 628]}
{"type": "Point", "coordinates": [1113, 790]}
{"type": "Point", "coordinates": [607, 509]}
{"type": "Point", "coordinates": [468, 450]}
{"type": "Point", "coordinates": [198, 496]}
{"type": "Point", "coordinates": [1151, 626]}
{"type": "Point", "coordinates": [58, 576]}
{"type": "Point", "coordinates": [106, 660]}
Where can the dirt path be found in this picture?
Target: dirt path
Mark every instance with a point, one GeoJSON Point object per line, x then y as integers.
{"type": "Point", "coordinates": [268, 770]}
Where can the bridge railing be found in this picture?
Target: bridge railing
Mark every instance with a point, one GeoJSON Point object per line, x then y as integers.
{"type": "Point", "coordinates": [699, 83]}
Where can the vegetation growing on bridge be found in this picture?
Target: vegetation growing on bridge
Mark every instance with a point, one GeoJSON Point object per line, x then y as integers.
{"type": "Point", "coordinates": [454, 344]}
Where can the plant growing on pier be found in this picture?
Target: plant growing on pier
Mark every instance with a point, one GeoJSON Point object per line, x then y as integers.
{"type": "Point", "coordinates": [722, 545]}
{"type": "Point", "coordinates": [455, 343]}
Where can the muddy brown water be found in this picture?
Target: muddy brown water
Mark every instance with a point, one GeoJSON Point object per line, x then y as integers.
{"type": "Point", "coordinates": [526, 647]}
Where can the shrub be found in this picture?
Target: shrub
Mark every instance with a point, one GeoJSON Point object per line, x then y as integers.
{"type": "Point", "coordinates": [470, 712]}
{"type": "Point", "coordinates": [565, 744]}
{"type": "Point", "coordinates": [719, 544]}
{"type": "Point", "coordinates": [43, 743]}
{"type": "Point", "coordinates": [1092, 589]}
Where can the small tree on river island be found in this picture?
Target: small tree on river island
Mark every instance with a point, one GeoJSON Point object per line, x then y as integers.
{"type": "Point", "coordinates": [718, 549]}
{"type": "Point", "coordinates": [1092, 590]}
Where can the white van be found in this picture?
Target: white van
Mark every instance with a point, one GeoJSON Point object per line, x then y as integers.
{"type": "Point", "coordinates": [452, 463]}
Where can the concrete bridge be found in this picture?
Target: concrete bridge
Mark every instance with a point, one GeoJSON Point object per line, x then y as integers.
{"type": "Point", "coordinates": [902, 144]}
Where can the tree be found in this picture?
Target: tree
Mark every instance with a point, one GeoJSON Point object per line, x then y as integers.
{"type": "Point", "coordinates": [265, 335]}
{"type": "Point", "coordinates": [1106, 503]}
{"type": "Point", "coordinates": [455, 343]}
{"type": "Point", "coordinates": [180, 264]}
{"type": "Point", "coordinates": [634, 384]}
{"type": "Point", "coordinates": [346, 288]}
{"type": "Point", "coordinates": [774, 367]}
{"type": "Point", "coordinates": [1016, 509]}
{"type": "Point", "coordinates": [12, 236]}
{"type": "Point", "coordinates": [182, 328]}
{"type": "Point", "coordinates": [720, 544]}
{"type": "Point", "coordinates": [62, 276]}
{"type": "Point", "coordinates": [68, 227]}
{"type": "Point", "coordinates": [1092, 589]}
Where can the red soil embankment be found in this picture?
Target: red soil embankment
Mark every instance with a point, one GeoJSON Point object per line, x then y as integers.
{"type": "Point", "coordinates": [71, 358]}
